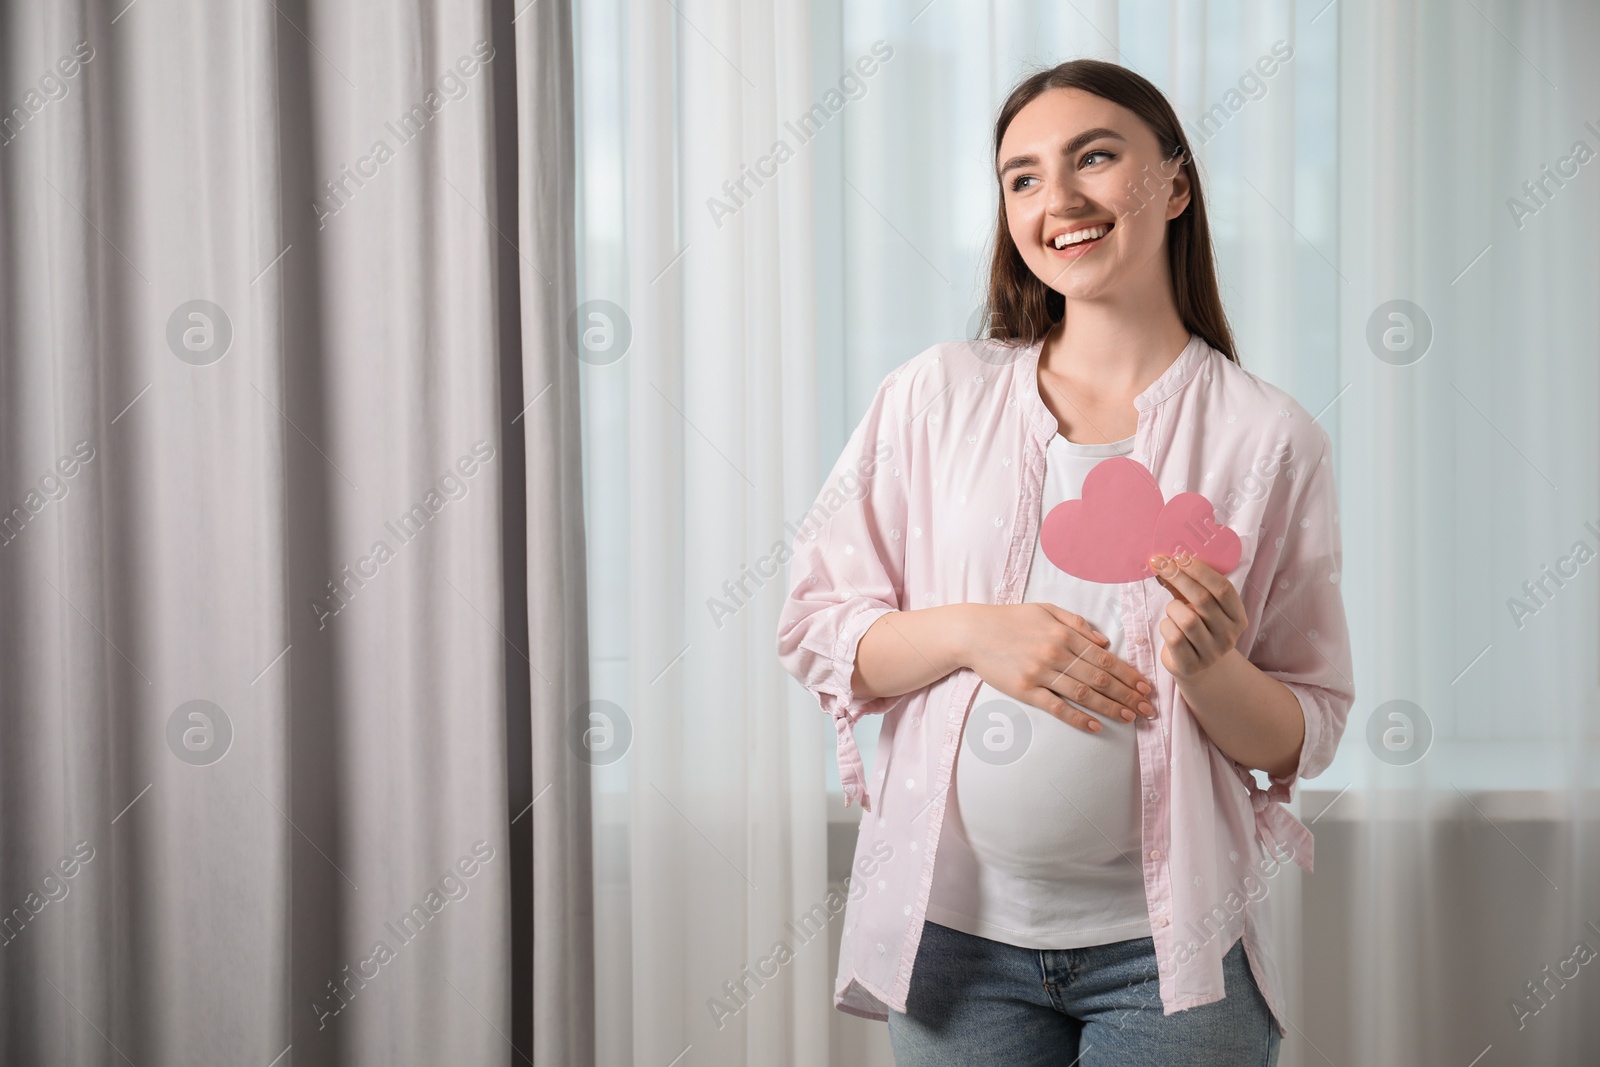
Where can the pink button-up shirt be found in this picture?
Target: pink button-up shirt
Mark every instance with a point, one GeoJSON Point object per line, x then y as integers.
{"type": "Point", "coordinates": [936, 500]}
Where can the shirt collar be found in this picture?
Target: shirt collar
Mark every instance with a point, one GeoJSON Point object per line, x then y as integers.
{"type": "Point", "coordinates": [1171, 380]}
{"type": "Point", "coordinates": [1174, 377]}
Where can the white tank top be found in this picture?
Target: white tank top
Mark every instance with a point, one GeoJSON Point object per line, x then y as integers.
{"type": "Point", "coordinates": [1041, 840]}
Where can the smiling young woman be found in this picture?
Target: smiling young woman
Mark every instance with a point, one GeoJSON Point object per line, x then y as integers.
{"type": "Point", "coordinates": [1064, 790]}
{"type": "Point", "coordinates": [1073, 162]}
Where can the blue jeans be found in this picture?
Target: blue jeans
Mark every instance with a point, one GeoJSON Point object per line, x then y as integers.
{"type": "Point", "coordinates": [977, 1001]}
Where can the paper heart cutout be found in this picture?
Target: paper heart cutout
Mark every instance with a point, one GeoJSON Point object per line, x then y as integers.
{"type": "Point", "coordinates": [1188, 524]}
{"type": "Point", "coordinates": [1109, 535]}
{"type": "Point", "coordinates": [1104, 536]}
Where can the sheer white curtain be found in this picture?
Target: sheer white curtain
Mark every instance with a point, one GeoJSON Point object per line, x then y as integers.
{"type": "Point", "coordinates": [700, 443]}
{"type": "Point", "coordinates": [1373, 164]}
{"type": "Point", "coordinates": [1463, 861]}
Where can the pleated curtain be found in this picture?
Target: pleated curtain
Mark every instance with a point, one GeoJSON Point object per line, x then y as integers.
{"type": "Point", "coordinates": [291, 552]}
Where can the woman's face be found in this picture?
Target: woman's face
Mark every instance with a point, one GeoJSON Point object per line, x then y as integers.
{"type": "Point", "coordinates": [1072, 161]}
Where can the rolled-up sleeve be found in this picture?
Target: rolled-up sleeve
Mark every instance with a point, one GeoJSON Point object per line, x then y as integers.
{"type": "Point", "coordinates": [1303, 640]}
{"type": "Point", "coordinates": [847, 569]}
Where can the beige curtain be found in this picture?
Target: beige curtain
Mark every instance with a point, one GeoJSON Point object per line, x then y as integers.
{"type": "Point", "coordinates": [291, 536]}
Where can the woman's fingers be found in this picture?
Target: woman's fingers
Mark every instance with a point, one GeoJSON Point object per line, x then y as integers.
{"type": "Point", "coordinates": [1192, 579]}
{"type": "Point", "coordinates": [1116, 678]}
{"type": "Point", "coordinates": [1089, 675]}
{"type": "Point", "coordinates": [1097, 655]}
{"type": "Point", "coordinates": [1088, 688]}
{"type": "Point", "coordinates": [1047, 701]}
{"type": "Point", "coordinates": [1076, 621]}
{"type": "Point", "coordinates": [1182, 585]}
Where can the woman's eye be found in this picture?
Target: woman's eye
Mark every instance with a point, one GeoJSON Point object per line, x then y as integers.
{"type": "Point", "coordinates": [1016, 183]}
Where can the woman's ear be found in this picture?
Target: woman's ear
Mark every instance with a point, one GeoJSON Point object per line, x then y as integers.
{"type": "Point", "coordinates": [1178, 202]}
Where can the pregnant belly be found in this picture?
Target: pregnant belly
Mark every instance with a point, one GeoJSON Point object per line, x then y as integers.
{"type": "Point", "coordinates": [1042, 799]}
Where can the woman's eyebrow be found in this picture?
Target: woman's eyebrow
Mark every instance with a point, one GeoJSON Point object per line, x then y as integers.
{"type": "Point", "coordinates": [1068, 149]}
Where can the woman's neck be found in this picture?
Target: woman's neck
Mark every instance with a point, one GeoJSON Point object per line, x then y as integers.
{"type": "Point", "coordinates": [1110, 352]}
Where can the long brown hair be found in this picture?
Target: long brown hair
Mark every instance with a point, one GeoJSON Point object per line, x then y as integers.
{"type": "Point", "coordinates": [1020, 308]}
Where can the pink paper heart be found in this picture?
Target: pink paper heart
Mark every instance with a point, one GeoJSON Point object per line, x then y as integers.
{"type": "Point", "coordinates": [1110, 534]}
{"type": "Point", "coordinates": [1188, 524]}
{"type": "Point", "coordinates": [1105, 537]}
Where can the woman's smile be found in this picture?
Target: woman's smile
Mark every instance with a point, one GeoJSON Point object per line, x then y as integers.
{"type": "Point", "coordinates": [1078, 240]}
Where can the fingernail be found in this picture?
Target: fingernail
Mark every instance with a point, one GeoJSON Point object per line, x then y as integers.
{"type": "Point", "coordinates": [1094, 724]}
{"type": "Point", "coordinates": [1145, 707]}
{"type": "Point", "coordinates": [1127, 716]}
{"type": "Point", "coordinates": [1143, 687]}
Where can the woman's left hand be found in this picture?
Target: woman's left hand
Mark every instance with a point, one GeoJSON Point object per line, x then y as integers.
{"type": "Point", "coordinates": [1204, 619]}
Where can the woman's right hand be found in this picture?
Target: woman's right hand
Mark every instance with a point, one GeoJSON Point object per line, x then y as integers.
{"type": "Point", "coordinates": [1039, 653]}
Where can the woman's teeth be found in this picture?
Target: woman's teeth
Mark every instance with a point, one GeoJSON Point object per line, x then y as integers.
{"type": "Point", "coordinates": [1080, 236]}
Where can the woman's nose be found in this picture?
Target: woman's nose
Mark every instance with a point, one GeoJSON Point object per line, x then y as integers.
{"type": "Point", "coordinates": [1060, 194]}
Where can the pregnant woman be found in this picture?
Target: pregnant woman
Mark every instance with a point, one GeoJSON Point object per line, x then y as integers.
{"type": "Point", "coordinates": [1064, 856]}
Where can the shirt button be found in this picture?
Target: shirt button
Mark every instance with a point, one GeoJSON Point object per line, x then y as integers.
{"type": "Point", "coordinates": [1155, 853]}
{"type": "Point", "coordinates": [1165, 921]}
{"type": "Point", "coordinates": [1153, 796]}
{"type": "Point", "coordinates": [880, 948]}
